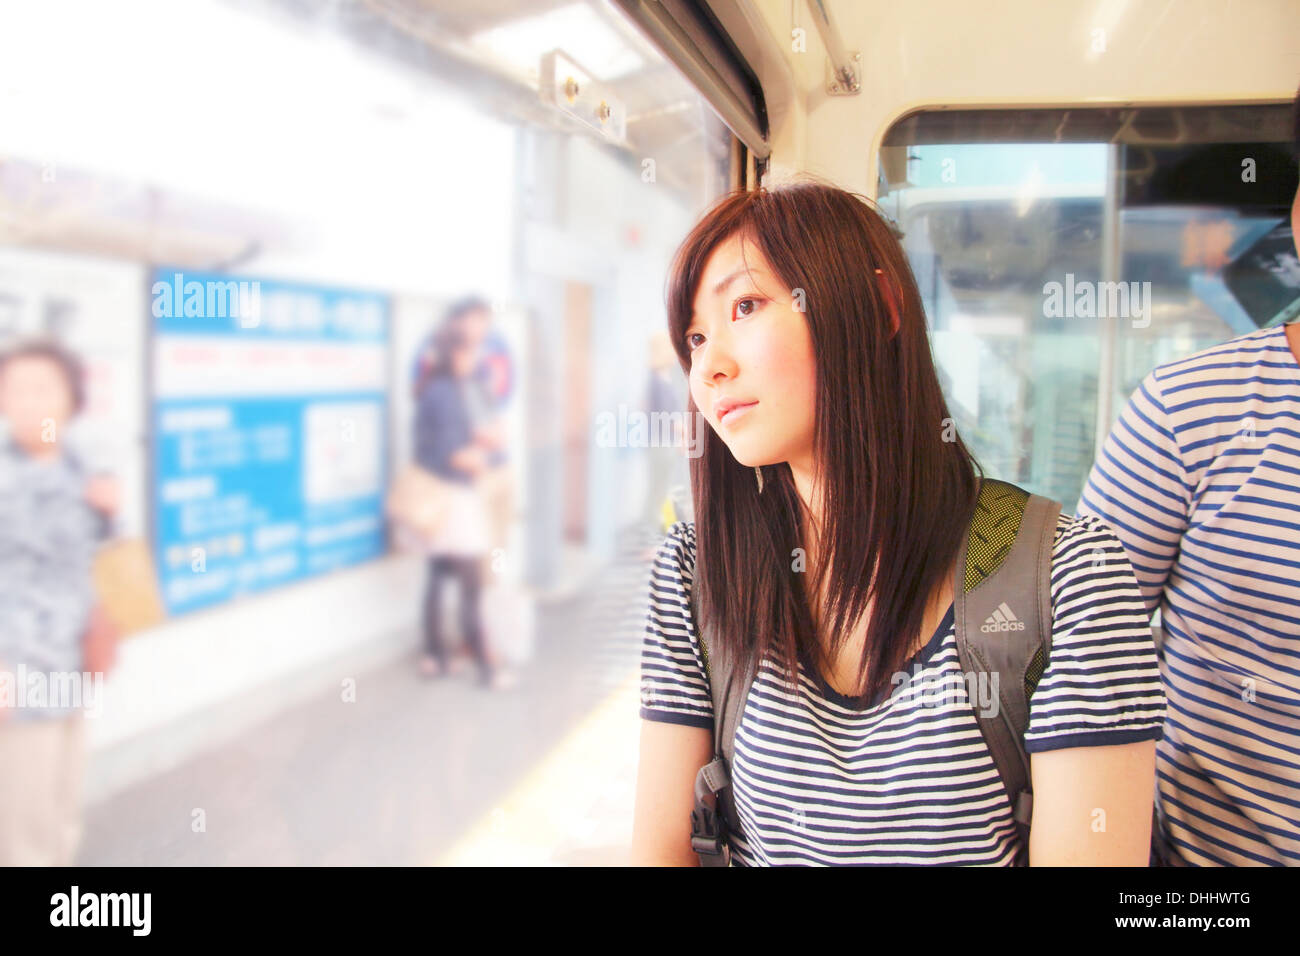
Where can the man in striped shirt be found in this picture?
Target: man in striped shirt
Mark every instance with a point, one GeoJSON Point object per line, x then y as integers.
{"type": "Point", "coordinates": [1200, 479]}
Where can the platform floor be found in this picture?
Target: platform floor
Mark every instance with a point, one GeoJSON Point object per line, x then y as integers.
{"type": "Point", "coordinates": [416, 771]}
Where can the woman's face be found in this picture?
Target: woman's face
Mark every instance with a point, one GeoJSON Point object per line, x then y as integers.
{"type": "Point", "coordinates": [749, 344]}
{"type": "Point", "coordinates": [35, 398]}
{"type": "Point", "coordinates": [475, 325]}
{"type": "Point", "coordinates": [462, 361]}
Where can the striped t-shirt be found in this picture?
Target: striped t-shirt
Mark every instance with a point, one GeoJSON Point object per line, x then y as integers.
{"type": "Point", "coordinates": [909, 779]}
{"type": "Point", "coordinates": [1200, 478]}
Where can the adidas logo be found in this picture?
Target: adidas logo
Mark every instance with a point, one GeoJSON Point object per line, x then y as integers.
{"type": "Point", "coordinates": [1002, 619]}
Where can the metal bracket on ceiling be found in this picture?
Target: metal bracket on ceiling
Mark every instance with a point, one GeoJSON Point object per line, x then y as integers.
{"type": "Point", "coordinates": [843, 67]}
{"type": "Point", "coordinates": [844, 82]}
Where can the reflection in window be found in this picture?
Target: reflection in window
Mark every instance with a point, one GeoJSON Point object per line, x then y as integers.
{"type": "Point", "coordinates": [1062, 254]}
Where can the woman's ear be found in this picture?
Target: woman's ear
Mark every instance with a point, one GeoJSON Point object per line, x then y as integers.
{"type": "Point", "coordinates": [892, 300]}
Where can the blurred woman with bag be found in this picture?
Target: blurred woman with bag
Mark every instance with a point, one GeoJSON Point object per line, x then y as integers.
{"type": "Point", "coordinates": [448, 446]}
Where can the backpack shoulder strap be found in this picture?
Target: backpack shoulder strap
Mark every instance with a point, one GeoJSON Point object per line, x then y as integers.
{"type": "Point", "coordinates": [1002, 604]}
{"type": "Point", "coordinates": [729, 687]}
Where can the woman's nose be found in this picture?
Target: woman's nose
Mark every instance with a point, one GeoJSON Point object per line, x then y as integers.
{"type": "Point", "coordinates": [719, 364]}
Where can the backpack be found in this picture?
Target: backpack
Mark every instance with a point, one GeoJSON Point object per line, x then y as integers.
{"type": "Point", "coordinates": [1005, 561]}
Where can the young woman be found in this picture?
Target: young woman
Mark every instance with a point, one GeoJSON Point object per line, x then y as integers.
{"type": "Point", "coordinates": [449, 443]}
{"type": "Point", "coordinates": [797, 319]}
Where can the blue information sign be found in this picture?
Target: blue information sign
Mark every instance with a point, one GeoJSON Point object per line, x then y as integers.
{"type": "Point", "coordinates": [269, 419]}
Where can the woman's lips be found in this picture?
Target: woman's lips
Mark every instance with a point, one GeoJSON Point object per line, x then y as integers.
{"type": "Point", "coordinates": [734, 413]}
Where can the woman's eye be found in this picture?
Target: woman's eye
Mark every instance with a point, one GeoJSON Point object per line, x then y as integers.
{"type": "Point", "coordinates": [691, 345]}
{"type": "Point", "coordinates": [741, 303]}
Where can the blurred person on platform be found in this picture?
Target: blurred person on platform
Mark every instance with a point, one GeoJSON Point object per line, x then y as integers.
{"type": "Point", "coordinates": [666, 462]}
{"type": "Point", "coordinates": [450, 444]}
{"type": "Point", "coordinates": [53, 514]}
{"type": "Point", "coordinates": [492, 384]}
{"type": "Point", "coordinates": [506, 617]}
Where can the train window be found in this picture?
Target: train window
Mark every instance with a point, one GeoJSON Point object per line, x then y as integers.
{"type": "Point", "coordinates": [341, 179]}
{"type": "Point", "coordinates": [546, 157]}
{"type": "Point", "coordinates": [1064, 253]}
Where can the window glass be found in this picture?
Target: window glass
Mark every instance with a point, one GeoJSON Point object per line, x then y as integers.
{"type": "Point", "coordinates": [1063, 254]}
{"type": "Point", "coordinates": [543, 156]}
{"type": "Point", "coordinates": [332, 177]}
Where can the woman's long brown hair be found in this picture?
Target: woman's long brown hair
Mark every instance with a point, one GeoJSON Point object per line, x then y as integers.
{"type": "Point", "coordinates": [897, 496]}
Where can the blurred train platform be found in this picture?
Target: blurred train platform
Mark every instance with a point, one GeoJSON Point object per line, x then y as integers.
{"type": "Point", "coordinates": [417, 771]}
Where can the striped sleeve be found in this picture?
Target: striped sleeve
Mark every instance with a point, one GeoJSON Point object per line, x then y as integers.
{"type": "Point", "coordinates": [1102, 682]}
{"type": "Point", "coordinates": [1139, 487]}
{"type": "Point", "coordinates": [674, 685]}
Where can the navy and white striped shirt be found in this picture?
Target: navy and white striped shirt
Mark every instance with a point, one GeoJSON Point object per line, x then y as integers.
{"type": "Point", "coordinates": [909, 779]}
{"type": "Point", "coordinates": [1200, 478]}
